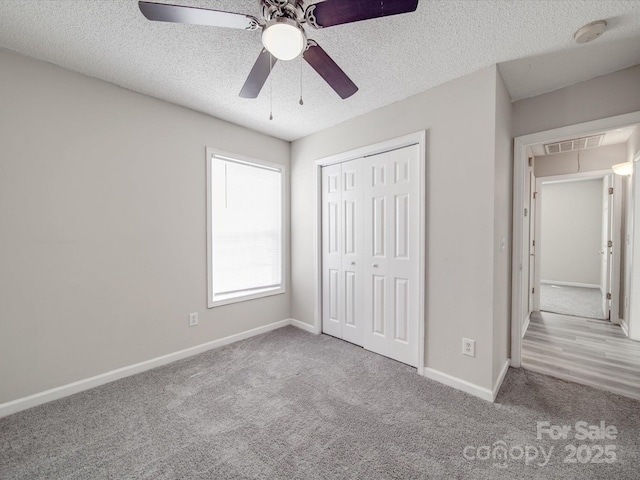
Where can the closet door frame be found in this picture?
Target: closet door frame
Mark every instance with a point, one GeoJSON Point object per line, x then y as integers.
{"type": "Point", "coordinates": [418, 138]}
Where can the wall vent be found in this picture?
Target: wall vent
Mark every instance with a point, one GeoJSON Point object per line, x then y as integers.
{"type": "Point", "coordinates": [573, 144]}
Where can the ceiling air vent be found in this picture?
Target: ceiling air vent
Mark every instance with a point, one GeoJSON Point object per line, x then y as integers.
{"type": "Point", "coordinates": [573, 144]}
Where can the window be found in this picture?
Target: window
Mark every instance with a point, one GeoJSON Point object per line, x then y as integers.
{"type": "Point", "coordinates": [245, 200]}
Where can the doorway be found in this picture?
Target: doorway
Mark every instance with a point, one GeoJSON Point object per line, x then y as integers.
{"type": "Point", "coordinates": [578, 235]}
{"type": "Point", "coordinates": [524, 299]}
{"type": "Point", "coordinates": [370, 231]}
{"type": "Point", "coordinates": [580, 347]}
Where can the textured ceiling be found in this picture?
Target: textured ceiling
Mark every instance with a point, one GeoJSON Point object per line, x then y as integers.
{"type": "Point", "coordinates": [204, 68]}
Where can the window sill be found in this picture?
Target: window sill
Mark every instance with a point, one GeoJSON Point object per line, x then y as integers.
{"type": "Point", "coordinates": [227, 299]}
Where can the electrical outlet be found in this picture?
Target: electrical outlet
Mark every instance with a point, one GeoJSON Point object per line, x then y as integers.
{"type": "Point", "coordinates": [193, 319]}
{"type": "Point", "coordinates": [469, 347]}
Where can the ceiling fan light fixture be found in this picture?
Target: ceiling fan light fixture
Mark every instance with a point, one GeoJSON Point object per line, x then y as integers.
{"type": "Point", "coordinates": [284, 38]}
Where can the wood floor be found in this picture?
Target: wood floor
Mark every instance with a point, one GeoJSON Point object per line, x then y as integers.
{"type": "Point", "coordinates": [588, 351]}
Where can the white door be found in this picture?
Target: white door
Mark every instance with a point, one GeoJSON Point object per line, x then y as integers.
{"type": "Point", "coordinates": [391, 253]}
{"type": "Point", "coordinates": [614, 258]}
{"type": "Point", "coordinates": [342, 242]}
{"type": "Point", "coordinates": [527, 266]}
{"type": "Point", "coordinates": [605, 250]}
{"type": "Point", "coordinates": [331, 250]}
{"type": "Point", "coordinates": [532, 294]}
{"type": "Point", "coordinates": [611, 241]}
{"type": "Point", "coordinates": [352, 245]}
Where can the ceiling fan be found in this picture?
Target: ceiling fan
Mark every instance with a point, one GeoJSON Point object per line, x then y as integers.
{"type": "Point", "coordinates": [283, 33]}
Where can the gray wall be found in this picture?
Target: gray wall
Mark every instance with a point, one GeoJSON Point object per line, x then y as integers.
{"type": "Point", "coordinates": [633, 144]}
{"type": "Point", "coordinates": [503, 220]}
{"type": "Point", "coordinates": [601, 97]}
{"type": "Point", "coordinates": [102, 208]}
{"type": "Point", "coordinates": [571, 232]}
{"type": "Point", "coordinates": [633, 274]}
{"type": "Point", "coordinates": [102, 227]}
{"type": "Point", "coordinates": [591, 159]}
{"type": "Point", "coordinates": [460, 119]}
{"type": "Point", "coordinates": [633, 147]}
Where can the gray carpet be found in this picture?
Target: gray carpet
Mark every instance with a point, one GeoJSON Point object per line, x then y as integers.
{"type": "Point", "coordinates": [291, 405]}
{"type": "Point", "coordinates": [576, 301]}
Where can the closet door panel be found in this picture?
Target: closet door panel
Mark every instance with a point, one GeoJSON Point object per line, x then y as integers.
{"type": "Point", "coordinates": [391, 297]}
{"type": "Point", "coordinates": [403, 268]}
{"type": "Point", "coordinates": [370, 248]}
{"type": "Point", "coordinates": [377, 309]}
{"type": "Point", "coordinates": [401, 310]}
{"type": "Point", "coordinates": [332, 279]}
{"type": "Point", "coordinates": [352, 245]}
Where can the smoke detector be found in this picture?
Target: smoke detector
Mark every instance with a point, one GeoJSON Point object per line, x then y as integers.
{"type": "Point", "coordinates": [590, 32]}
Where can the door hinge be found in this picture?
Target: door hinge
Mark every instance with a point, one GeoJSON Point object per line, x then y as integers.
{"type": "Point", "coordinates": [534, 243]}
{"type": "Point", "coordinates": [531, 161]}
{"type": "Point", "coordinates": [533, 290]}
{"type": "Point", "coordinates": [609, 244]}
{"type": "Point", "coordinates": [608, 296]}
{"type": "Point", "coordinates": [610, 190]}
{"type": "Point", "coordinates": [534, 195]}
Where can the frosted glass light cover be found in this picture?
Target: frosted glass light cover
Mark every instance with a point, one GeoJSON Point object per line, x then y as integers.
{"type": "Point", "coordinates": [623, 168]}
{"type": "Point", "coordinates": [283, 38]}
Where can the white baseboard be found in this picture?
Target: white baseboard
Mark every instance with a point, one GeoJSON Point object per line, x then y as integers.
{"type": "Point", "coordinates": [625, 326]}
{"type": "Point", "coordinates": [526, 325]}
{"type": "Point", "coordinates": [500, 379]}
{"type": "Point", "coordinates": [304, 326]}
{"type": "Point", "coordinates": [569, 284]}
{"type": "Point", "coordinates": [19, 404]}
{"type": "Point", "coordinates": [454, 382]}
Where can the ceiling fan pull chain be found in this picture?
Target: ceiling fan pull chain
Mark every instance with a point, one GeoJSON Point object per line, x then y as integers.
{"type": "Point", "coordinates": [301, 102]}
{"type": "Point", "coordinates": [270, 87]}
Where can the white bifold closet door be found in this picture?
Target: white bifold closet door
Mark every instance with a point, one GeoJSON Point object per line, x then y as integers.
{"type": "Point", "coordinates": [342, 244]}
{"type": "Point", "coordinates": [370, 225]}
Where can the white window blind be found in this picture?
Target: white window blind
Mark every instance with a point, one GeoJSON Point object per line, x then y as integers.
{"type": "Point", "coordinates": [246, 228]}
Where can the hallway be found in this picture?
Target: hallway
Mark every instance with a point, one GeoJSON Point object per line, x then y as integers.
{"type": "Point", "coordinates": [588, 351]}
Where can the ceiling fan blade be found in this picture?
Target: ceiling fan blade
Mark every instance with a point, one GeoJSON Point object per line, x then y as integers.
{"type": "Point", "coordinates": [258, 75]}
{"type": "Point", "coordinates": [329, 70]}
{"type": "Point", "coordinates": [337, 12]}
{"type": "Point", "coordinates": [162, 12]}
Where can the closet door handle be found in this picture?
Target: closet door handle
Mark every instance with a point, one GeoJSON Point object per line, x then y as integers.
{"type": "Point", "coordinates": [353, 263]}
{"type": "Point", "coordinates": [375, 265]}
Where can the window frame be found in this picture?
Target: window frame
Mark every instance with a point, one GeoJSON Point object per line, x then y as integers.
{"type": "Point", "coordinates": [212, 302]}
